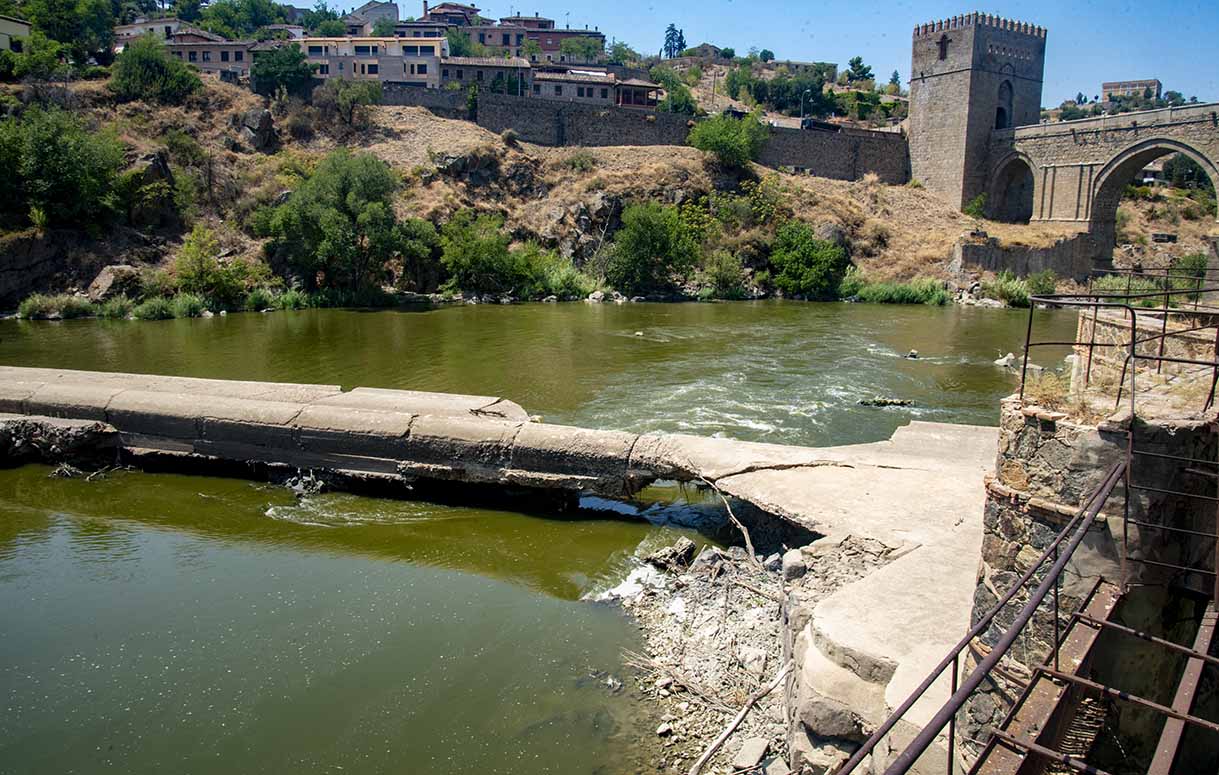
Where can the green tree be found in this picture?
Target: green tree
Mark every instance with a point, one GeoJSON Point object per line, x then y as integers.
{"type": "Point", "coordinates": [330, 28]}
{"type": "Point", "coordinates": [734, 142]}
{"type": "Point", "coordinates": [766, 55]}
{"type": "Point", "coordinates": [674, 42]}
{"type": "Point", "coordinates": [146, 71]}
{"type": "Point", "coordinates": [240, 18]}
{"type": "Point", "coordinates": [383, 28]}
{"type": "Point", "coordinates": [804, 265]}
{"type": "Point", "coordinates": [86, 26]}
{"type": "Point", "coordinates": [460, 44]}
{"type": "Point", "coordinates": [531, 50]}
{"type": "Point", "coordinates": [728, 53]}
{"type": "Point", "coordinates": [188, 10]}
{"type": "Point", "coordinates": [857, 70]}
{"type": "Point", "coordinates": [344, 100]}
{"type": "Point", "coordinates": [678, 98]}
{"type": "Point", "coordinates": [651, 250]}
{"type": "Point", "coordinates": [58, 171]}
{"type": "Point", "coordinates": [40, 58]}
{"type": "Point", "coordinates": [338, 228]}
{"type": "Point", "coordinates": [321, 12]}
{"type": "Point", "coordinates": [284, 67]}
{"type": "Point", "coordinates": [895, 79]}
{"type": "Point", "coordinates": [582, 49]}
{"type": "Point", "coordinates": [475, 254]}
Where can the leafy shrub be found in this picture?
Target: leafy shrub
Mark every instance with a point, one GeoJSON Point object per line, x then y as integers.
{"type": "Point", "coordinates": [290, 299]}
{"type": "Point", "coordinates": [63, 306]}
{"type": "Point", "coordinates": [475, 254]}
{"type": "Point", "coordinates": [650, 250]}
{"type": "Point", "coordinates": [852, 283]}
{"type": "Point", "coordinates": [157, 282]}
{"type": "Point", "coordinates": [724, 275]}
{"type": "Point", "coordinates": [259, 299]}
{"type": "Point", "coordinates": [183, 149]}
{"type": "Point", "coordinates": [146, 71]}
{"type": "Point", "coordinates": [1189, 273]}
{"type": "Point", "coordinates": [54, 164]}
{"type": "Point", "coordinates": [284, 68]}
{"type": "Point", "coordinates": [734, 142]}
{"type": "Point", "coordinates": [116, 308]}
{"type": "Point", "coordinates": [188, 305]}
{"type": "Point", "coordinates": [1042, 283]}
{"type": "Point", "coordinates": [1007, 288]}
{"type": "Point", "coordinates": [338, 228]}
{"type": "Point", "coordinates": [418, 248]}
{"type": "Point", "coordinates": [976, 207]}
{"type": "Point", "coordinates": [154, 308]}
{"type": "Point", "coordinates": [511, 137]}
{"type": "Point", "coordinates": [806, 266]}
{"type": "Point", "coordinates": [1116, 286]}
{"type": "Point", "coordinates": [40, 59]}
{"type": "Point", "coordinates": [581, 161]}
{"type": "Point", "coordinates": [201, 273]}
{"type": "Point", "coordinates": [342, 102]}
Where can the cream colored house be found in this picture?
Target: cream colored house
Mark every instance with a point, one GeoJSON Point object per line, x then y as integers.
{"type": "Point", "coordinates": [12, 27]}
{"type": "Point", "coordinates": [414, 61]}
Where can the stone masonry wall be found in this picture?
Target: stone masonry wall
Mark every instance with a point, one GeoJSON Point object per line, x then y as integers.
{"type": "Point", "coordinates": [547, 122]}
{"type": "Point", "coordinates": [1045, 469]}
{"type": "Point", "coordinates": [449, 104]}
{"type": "Point", "coordinates": [1111, 331]}
{"type": "Point", "coordinates": [845, 155]}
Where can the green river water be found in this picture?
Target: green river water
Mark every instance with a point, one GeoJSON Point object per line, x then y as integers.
{"type": "Point", "coordinates": [156, 622]}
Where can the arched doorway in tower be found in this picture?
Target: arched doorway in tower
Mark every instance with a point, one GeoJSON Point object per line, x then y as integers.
{"type": "Point", "coordinates": [1003, 109]}
{"type": "Point", "coordinates": [1011, 192]}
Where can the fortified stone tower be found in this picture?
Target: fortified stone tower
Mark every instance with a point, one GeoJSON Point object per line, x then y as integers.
{"type": "Point", "coordinates": [969, 75]}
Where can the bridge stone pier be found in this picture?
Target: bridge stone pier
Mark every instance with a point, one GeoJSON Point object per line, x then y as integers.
{"type": "Point", "coordinates": [1075, 171]}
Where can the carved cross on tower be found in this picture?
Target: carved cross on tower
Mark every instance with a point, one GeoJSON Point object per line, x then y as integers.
{"type": "Point", "coordinates": [943, 44]}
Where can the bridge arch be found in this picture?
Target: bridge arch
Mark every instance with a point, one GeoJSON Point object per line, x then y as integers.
{"type": "Point", "coordinates": [1009, 195]}
{"type": "Point", "coordinates": [1119, 172]}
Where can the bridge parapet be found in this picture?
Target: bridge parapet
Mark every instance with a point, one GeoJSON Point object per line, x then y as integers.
{"type": "Point", "coordinates": [1161, 117]}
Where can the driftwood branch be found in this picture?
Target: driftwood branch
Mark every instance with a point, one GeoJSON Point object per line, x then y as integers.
{"type": "Point", "coordinates": [753, 555]}
{"type": "Point", "coordinates": [739, 717]}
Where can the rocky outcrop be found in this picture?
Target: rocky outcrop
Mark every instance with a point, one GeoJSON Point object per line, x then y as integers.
{"type": "Point", "coordinates": [65, 259]}
{"type": "Point", "coordinates": [257, 129]}
{"type": "Point", "coordinates": [115, 280]}
{"type": "Point", "coordinates": [150, 201]}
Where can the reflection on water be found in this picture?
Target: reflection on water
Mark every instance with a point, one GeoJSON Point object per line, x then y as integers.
{"type": "Point", "coordinates": [159, 623]}
{"type": "Point", "coordinates": [162, 622]}
{"type": "Point", "coordinates": [790, 372]}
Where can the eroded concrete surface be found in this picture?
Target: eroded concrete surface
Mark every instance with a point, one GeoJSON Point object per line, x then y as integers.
{"type": "Point", "coordinates": [871, 642]}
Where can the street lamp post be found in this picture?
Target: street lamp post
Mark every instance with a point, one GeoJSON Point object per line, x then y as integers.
{"type": "Point", "coordinates": [807, 92]}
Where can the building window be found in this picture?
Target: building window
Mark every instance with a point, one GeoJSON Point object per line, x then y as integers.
{"type": "Point", "coordinates": [193, 56]}
{"type": "Point", "coordinates": [507, 39]}
{"type": "Point", "coordinates": [362, 50]}
{"type": "Point", "coordinates": [421, 69]}
{"type": "Point", "coordinates": [558, 90]}
{"type": "Point", "coordinates": [410, 51]}
{"type": "Point", "coordinates": [537, 88]}
{"type": "Point", "coordinates": [340, 67]}
{"type": "Point", "coordinates": [323, 69]}
{"type": "Point", "coordinates": [168, 31]}
{"type": "Point", "coordinates": [315, 51]}
{"type": "Point", "coordinates": [224, 56]}
{"type": "Point", "coordinates": [520, 39]}
{"type": "Point", "coordinates": [482, 37]}
{"type": "Point", "coordinates": [605, 94]}
{"type": "Point", "coordinates": [579, 91]}
{"type": "Point", "coordinates": [444, 73]}
{"type": "Point", "coordinates": [238, 56]}
{"type": "Point", "coordinates": [460, 74]}
{"type": "Point", "coordinates": [480, 75]}
{"type": "Point", "coordinates": [372, 69]}
{"type": "Point", "coordinates": [427, 50]}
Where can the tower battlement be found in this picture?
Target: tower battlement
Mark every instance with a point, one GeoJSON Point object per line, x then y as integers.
{"type": "Point", "coordinates": [977, 19]}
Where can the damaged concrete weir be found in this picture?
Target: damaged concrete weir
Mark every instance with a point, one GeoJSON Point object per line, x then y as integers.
{"type": "Point", "coordinates": [857, 651]}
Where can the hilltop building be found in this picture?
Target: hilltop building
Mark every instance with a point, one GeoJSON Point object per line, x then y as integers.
{"type": "Point", "coordinates": [210, 52]}
{"type": "Point", "coordinates": [510, 33]}
{"type": "Point", "coordinates": [362, 20]}
{"type": "Point", "coordinates": [11, 27]}
{"type": "Point", "coordinates": [1135, 88]}
{"type": "Point", "coordinates": [162, 28]}
{"type": "Point", "coordinates": [407, 61]}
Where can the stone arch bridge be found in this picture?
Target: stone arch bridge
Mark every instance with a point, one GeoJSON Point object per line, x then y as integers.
{"type": "Point", "coordinates": [1075, 171]}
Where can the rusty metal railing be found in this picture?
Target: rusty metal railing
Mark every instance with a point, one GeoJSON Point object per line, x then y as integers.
{"type": "Point", "coordinates": [1175, 294]}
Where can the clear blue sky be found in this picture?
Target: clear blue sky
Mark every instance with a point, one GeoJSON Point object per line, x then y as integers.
{"type": "Point", "coordinates": [1088, 42]}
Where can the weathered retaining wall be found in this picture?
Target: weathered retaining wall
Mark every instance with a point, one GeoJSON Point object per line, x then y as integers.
{"type": "Point", "coordinates": [845, 155]}
{"type": "Point", "coordinates": [1111, 332]}
{"type": "Point", "coordinates": [1071, 257]}
{"type": "Point", "coordinates": [549, 122]}
{"type": "Point", "coordinates": [1046, 467]}
{"type": "Point", "coordinates": [442, 102]}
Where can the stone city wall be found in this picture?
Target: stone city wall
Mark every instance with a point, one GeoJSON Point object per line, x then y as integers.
{"type": "Point", "coordinates": [442, 102]}
{"type": "Point", "coordinates": [548, 122]}
{"type": "Point", "coordinates": [844, 155]}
